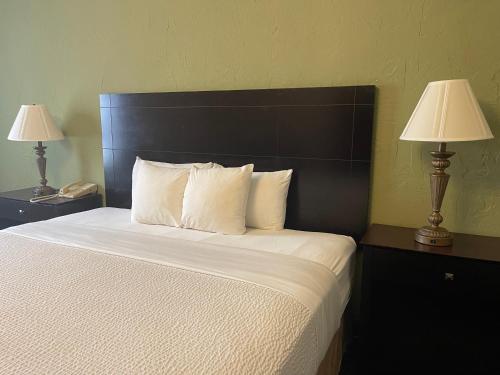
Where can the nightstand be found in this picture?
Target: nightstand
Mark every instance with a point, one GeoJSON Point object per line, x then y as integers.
{"type": "Point", "coordinates": [16, 209]}
{"type": "Point", "coordinates": [429, 310]}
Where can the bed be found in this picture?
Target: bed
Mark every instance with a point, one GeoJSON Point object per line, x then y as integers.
{"type": "Point", "coordinates": [95, 293]}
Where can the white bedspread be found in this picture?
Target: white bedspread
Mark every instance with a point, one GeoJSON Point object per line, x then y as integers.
{"type": "Point", "coordinates": [78, 298]}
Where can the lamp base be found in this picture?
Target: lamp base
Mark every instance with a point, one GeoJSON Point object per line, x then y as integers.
{"type": "Point", "coordinates": [41, 191]}
{"type": "Point", "coordinates": [434, 236]}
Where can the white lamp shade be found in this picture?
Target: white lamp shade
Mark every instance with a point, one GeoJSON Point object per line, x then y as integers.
{"type": "Point", "coordinates": [34, 123]}
{"type": "Point", "coordinates": [447, 112]}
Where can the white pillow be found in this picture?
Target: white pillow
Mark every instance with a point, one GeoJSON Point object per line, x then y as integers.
{"type": "Point", "coordinates": [157, 194]}
{"type": "Point", "coordinates": [138, 160]}
{"type": "Point", "coordinates": [266, 208]}
{"type": "Point", "coordinates": [215, 199]}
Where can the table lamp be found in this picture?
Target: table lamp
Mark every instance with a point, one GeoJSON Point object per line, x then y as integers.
{"type": "Point", "coordinates": [34, 124]}
{"type": "Point", "coordinates": [447, 112]}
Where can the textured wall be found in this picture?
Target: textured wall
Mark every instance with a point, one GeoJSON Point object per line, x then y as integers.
{"type": "Point", "coordinates": [64, 53]}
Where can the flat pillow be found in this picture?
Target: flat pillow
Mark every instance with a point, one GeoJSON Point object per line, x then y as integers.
{"type": "Point", "coordinates": [215, 199]}
{"type": "Point", "coordinates": [157, 194]}
{"type": "Point", "coordinates": [183, 165]}
{"type": "Point", "coordinates": [266, 207]}
{"type": "Point", "coordinates": [138, 160]}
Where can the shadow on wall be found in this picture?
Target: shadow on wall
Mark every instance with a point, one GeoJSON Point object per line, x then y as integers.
{"type": "Point", "coordinates": [372, 156]}
{"type": "Point", "coordinates": [475, 176]}
{"type": "Point", "coordinates": [79, 130]}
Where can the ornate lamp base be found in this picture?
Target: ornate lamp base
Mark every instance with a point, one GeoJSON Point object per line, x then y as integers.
{"type": "Point", "coordinates": [437, 236]}
{"type": "Point", "coordinates": [41, 162]}
{"type": "Point", "coordinates": [41, 191]}
{"type": "Point", "coordinates": [433, 234]}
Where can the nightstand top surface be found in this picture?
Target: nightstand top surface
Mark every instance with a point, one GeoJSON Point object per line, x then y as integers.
{"type": "Point", "coordinates": [26, 194]}
{"type": "Point", "coordinates": [464, 245]}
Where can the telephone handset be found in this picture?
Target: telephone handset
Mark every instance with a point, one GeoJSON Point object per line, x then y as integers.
{"type": "Point", "coordinates": [77, 189]}
{"type": "Point", "coordinates": [71, 191]}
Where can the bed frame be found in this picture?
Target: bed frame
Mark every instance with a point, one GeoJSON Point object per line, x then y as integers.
{"type": "Point", "coordinates": [323, 134]}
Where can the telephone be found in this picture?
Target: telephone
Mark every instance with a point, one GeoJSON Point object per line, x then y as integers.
{"type": "Point", "coordinates": [77, 189]}
{"type": "Point", "coordinates": [71, 191]}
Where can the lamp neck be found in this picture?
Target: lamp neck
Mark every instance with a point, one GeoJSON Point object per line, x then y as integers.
{"type": "Point", "coordinates": [442, 147]}
{"type": "Point", "coordinates": [40, 149]}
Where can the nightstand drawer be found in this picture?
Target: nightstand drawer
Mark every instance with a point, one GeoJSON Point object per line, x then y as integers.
{"type": "Point", "coordinates": [24, 212]}
{"type": "Point", "coordinates": [423, 270]}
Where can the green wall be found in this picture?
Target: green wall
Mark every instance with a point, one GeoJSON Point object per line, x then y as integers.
{"type": "Point", "coordinates": [64, 53]}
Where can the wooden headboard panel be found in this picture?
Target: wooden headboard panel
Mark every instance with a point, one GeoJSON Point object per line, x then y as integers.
{"type": "Point", "coordinates": [324, 134]}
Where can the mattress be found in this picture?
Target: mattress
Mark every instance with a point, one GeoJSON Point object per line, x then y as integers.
{"type": "Point", "coordinates": [95, 293]}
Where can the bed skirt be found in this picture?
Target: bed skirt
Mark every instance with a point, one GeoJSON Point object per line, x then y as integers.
{"type": "Point", "coordinates": [333, 358]}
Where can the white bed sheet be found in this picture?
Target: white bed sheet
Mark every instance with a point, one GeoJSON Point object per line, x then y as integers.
{"type": "Point", "coordinates": [336, 252]}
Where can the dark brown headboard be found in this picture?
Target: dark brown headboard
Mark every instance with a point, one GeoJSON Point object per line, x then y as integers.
{"type": "Point", "coordinates": [324, 134]}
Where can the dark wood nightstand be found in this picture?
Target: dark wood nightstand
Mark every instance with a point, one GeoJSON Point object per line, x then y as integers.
{"type": "Point", "coordinates": [429, 310]}
{"type": "Point", "coordinates": [16, 209]}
